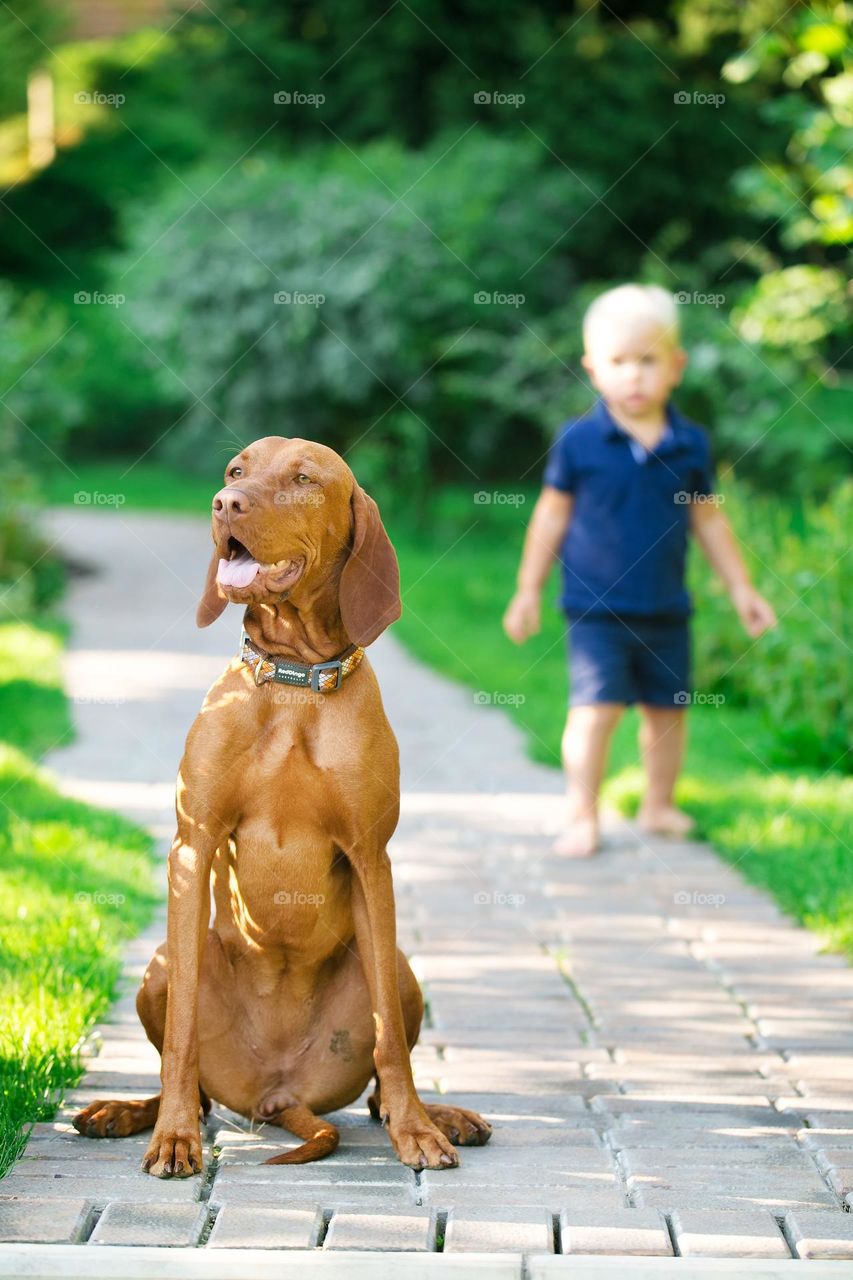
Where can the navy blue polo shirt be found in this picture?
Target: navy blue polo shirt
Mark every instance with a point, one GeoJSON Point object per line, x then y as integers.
{"type": "Point", "coordinates": [625, 548]}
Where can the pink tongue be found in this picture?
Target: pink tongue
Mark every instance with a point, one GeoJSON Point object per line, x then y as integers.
{"type": "Point", "coordinates": [239, 572]}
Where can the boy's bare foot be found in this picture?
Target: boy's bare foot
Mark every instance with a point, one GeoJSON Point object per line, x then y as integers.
{"type": "Point", "coordinates": [579, 840]}
{"type": "Point", "coordinates": [665, 821]}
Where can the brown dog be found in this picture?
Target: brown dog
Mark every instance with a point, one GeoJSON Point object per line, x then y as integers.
{"type": "Point", "coordinates": [296, 994]}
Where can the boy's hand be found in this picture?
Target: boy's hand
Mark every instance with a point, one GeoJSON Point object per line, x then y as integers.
{"type": "Point", "coordinates": [756, 613]}
{"type": "Point", "coordinates": [522, 617]}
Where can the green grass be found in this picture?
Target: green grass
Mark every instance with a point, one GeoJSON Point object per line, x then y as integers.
{"type": "Point", "coordinates": [74, 883]}
{"type": "Point", "coordinates": [781, 826]}
{"type": "Point", "coordinates": [33, 707]}
{"type": "Point", "coordinates": [129, 485]}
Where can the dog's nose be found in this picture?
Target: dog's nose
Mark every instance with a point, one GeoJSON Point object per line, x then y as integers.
{"type": "Point", "coordinates": [230, 502]}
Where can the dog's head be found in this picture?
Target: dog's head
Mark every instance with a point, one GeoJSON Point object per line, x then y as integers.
{"type": "Point", "coordinates": [290, 512]}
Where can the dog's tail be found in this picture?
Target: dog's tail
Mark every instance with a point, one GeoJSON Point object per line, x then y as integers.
{"type": "Point", "coordinates": [321, 1137]}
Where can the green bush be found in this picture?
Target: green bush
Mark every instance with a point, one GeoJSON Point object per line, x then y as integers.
{"type": "Point", "coordinates": [798, 673]}
{"type": "Point", "coordinates": [399, 246]}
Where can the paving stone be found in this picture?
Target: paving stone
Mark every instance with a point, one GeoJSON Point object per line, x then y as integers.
{"type": "Point", "coordinates": [340, 1196]}
{"type": "Point", "coordinates": [623, 1231]}
{"type": "Point", "coordinates": [839, 1120]}
{"type": "Point", "coordinates": [726, 1234]}
{"type": "Point", "coordinates": [46, 1160]}
{"type": "Point", "coordinates": [714, 1161]}
{"type": "Point", "coordinates": [841, 1179]}
{"type": "Point", "coordinates": [554, 1199]}
{"type": "Point", "coordinates": [680, 1089]}
{"type": "Point", "coordinates": [547, 1165]}
{"type": "Point", "coordinates": [519, 1108]}
{"type": "Point", "coordinates": [816, 1066]}
{"type": "Point", "coordinates": [736, 1181]}
{"type": "Point", "coordinates": [405, 1232]}
{"type": "Point", "coordinates": [821, 1235]}
{"type": "Point", "coordinates": [150, 1224]}
{"type": "Point", "coordinates": [327, 1173]}
{"type": "Point", "coordinates": [671, 1198]}
{"type": "Point", "coordinates": [647, 1134]}
{"type": "Point", "coordinates": [701, 1109]}
{"type": "Point", "coordinates": [536, 1136]}
{"type": "Point", "coordinates": [581, 1181]}
{"type": "Point", "coordinates": [41, 1220]}
{"type": "Point", "coordinates": [106, 1082]}
{"type": "Point", "coordinates": [101, 1189]}
{"type": "Point", "coordinates": [840, 1158]}
{"type": "Point", "coordinates": [820, 1141]}
{"type": "Point", "coordinates": [498, 1230]}
{"type": "Point", "coordinates": [265, 1226]}
{"type": "Point", "coordinates": [62, 1171]}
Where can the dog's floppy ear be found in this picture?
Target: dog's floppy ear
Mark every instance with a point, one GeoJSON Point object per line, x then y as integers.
{"type": "Point", "coordinates": [211, 603]}
{"type": "Point", "coordinates": [370, 581]}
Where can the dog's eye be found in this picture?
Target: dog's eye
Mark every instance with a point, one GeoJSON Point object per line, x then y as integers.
{"type": "Point", "coordinates": [303, 479]}
{"type": "Point", "coordinates": [235, 473]}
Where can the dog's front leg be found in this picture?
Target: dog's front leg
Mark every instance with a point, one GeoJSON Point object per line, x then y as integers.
{"type": "Point", "coordinates": [417, 1141]}
{"type": "Point", "coordinates": [175, 1148]}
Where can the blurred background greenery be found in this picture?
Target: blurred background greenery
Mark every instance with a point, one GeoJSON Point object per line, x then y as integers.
{"type": "Point", "coordinates": [205, 161]}
{"type": "Point", "coordinates": [380, 228]}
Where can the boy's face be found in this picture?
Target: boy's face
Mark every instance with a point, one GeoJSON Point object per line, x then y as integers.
{"type": "Point", "coordinates": [635, 369]}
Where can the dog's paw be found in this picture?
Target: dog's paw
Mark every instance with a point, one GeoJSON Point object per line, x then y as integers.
{"type": "Point", "coordinates": [467, 1128]}
{"type": "Point", "coordinates": [420, 1144]}
{"type": "Point", "coordinates": [115, 1119]}
{"type": "Point", "coordinates": [173, 1153]}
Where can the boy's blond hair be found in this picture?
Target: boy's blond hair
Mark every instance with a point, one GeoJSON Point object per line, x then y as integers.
{"type": "Point", "coordinates": [648, 305]}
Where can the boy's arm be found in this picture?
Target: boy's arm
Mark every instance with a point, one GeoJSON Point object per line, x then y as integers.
{"type": "Point", "coordinates": [720, 546]}
{"type": "Point", "coordinates": [543, 540]}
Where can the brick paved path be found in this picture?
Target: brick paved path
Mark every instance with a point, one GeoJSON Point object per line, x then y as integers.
{"type": "Point", "coordinates": [667, 1060]}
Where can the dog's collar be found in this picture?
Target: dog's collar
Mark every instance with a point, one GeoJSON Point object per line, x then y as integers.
{"type": "Point", "coordinates": [322, 677]}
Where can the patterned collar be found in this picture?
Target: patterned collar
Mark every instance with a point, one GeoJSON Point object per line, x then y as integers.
{"type": "Point", "coordinates": [322, 677]}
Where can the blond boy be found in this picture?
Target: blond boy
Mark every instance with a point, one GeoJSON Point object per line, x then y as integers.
{"type": "Point", "coordinates": [622, 489]}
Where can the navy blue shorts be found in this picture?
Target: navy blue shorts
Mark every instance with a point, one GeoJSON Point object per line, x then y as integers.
{"type": "Point", "coordinates": [619, 659]}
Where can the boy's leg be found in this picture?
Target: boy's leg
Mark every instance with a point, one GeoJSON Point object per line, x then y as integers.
{"type": "Point", "coordinates": [663, 734]}
{"type": "Point", "coordinates": [586, 739]}
{"type": "Point", "coordinates": [662, 659]}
